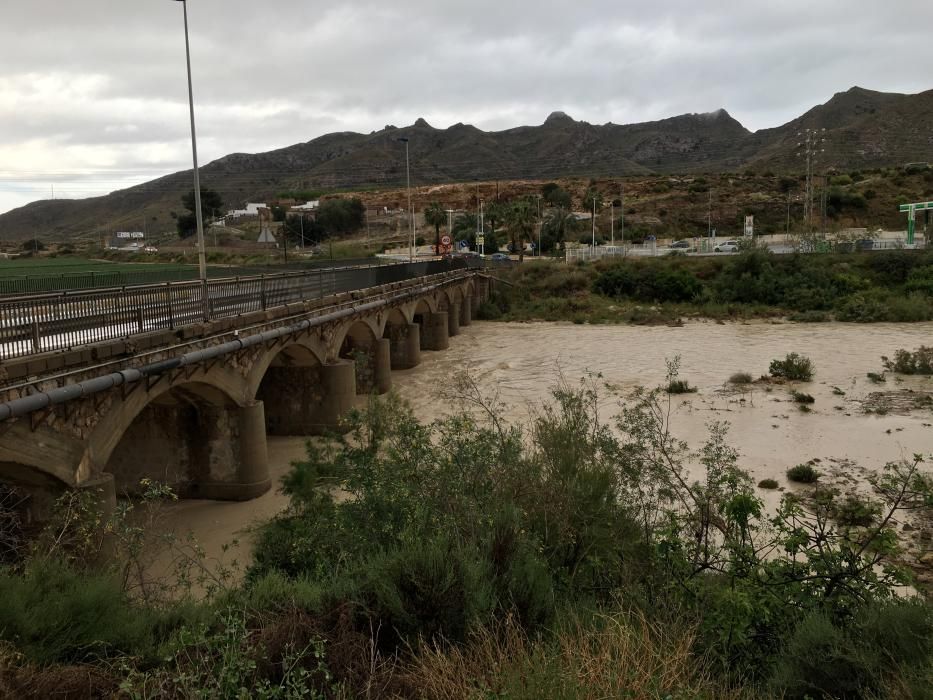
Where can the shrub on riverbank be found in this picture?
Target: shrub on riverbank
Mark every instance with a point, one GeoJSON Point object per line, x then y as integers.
{"type": "Point", "coordinates": [794, 366]}
{"type": "Point", "coordinates": [565, 556]}
{"type": "Point", "coordinates": [919, 361]}
{"type": "Point", "coordinates": [803, 474]}
{"type": "Point", "coordinates": [882, 286]}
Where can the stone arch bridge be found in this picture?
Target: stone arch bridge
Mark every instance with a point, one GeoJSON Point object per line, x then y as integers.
{"type": "Point", "coordinates": [191, 406]}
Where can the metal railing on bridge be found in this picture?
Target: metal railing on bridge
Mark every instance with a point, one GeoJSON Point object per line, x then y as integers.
{"type": "Point", "coordinates": [60, 321]}
{"type": "Point", "coordinates": [136, 274]}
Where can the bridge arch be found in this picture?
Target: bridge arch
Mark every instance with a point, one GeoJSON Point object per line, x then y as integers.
{"type": "Point", "coordinates": [302, 392]}
{"type": "Point", "coordinates": [404, 337]}
{"type": "Point", "coordinates": [361, 343]}
{"type": "Point", "coordinates": [200, 436]}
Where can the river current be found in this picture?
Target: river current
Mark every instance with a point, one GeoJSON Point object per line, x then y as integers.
{"type": "Point", "coordinates": [523, 362]}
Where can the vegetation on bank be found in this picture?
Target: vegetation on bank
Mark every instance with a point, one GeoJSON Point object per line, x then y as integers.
{"type": "Point", "coordinates": [568, 557]}
{"type": "Point", "coordinates": [883, 286]}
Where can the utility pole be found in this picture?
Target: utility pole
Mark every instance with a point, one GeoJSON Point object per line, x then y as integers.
{"type": "Point", "coordinates": [622, 214]}
{"type": "Point", "coordinates": [594, 221]}
{"type": "Point", "coordinates": [301, 224]}
{"type": "Point", "coordinates": [612, 223]}
{"type": "Point", "coordinates": [787, 230]}
{"type": "Point", "coordinates": [812, 144]}
{"type": "Point", "coordinates": [411, 213]}
{"type": "Point", "coordinates": [823, 208]}
{"type": "Point", "coordinates": [709, 215]}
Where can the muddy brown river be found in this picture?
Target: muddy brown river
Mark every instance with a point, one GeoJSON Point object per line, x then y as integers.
{"type": "Point", "coordinates": [522, 362]}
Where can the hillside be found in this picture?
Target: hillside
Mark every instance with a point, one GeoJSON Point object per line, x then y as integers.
{"type": "Point", "coordinates": [864, 130]}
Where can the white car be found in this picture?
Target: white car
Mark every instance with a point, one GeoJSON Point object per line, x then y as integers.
{"type": "Point", "coordinates": [727, 247]}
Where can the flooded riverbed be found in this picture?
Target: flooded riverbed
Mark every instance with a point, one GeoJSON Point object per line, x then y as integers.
{"type": "Point", "coordinates": [523, 362]}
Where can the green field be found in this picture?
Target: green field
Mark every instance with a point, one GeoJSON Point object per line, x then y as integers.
{"type": "Point", "coordinates": [35, 267]}
{"type": "Point", "coordinates": [31, 275]}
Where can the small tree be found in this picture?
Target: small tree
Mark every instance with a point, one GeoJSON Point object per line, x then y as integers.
{"type": "Point", "coordinates": [33, 245]}
{"type": "Point", "coordinates": [187, 224]}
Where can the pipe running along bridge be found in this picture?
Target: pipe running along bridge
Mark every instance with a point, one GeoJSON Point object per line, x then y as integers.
{"type": "Point", "coordinates": [181, 382]}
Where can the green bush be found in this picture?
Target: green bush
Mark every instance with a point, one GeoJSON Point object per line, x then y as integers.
{"type": "Point", "coordinates": [768, 484]}
{"type": "Point", "coordinates": [680, 386]}
{"type": "Point", "coordinates": [803, 474]}
{"type": "Point", "coordinates": [855, 511]}
{"type": "Point", "coordinates": [431, 590]}
{"type": "Point", "coordinates": [809, 317]}
{"type": "Point", "coordinates": [919, 361]}
{"type": "Point", "coordinates": [794, 367]}
{"type": "Point", "coordinates": [55, 614]}
{"type": "Point", "coordinates": [801, 398]}
{"type": "Point", "coordinates": [885, 650]}
{"type": "Point", "coordinates": [740, 378]}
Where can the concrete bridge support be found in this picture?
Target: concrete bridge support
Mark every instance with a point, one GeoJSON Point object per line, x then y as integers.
{"type": "Point", "coordinates": [404, 345]}
{"type": "Point", "coordinates": [307, 400]}
{"type": "Point", "coordinates": [466, 311]}
{"type": "Point", "coordinates": [480, 291]}
{"type": "Point", "coordinates": [453, 319]}
{"type": "Point", "coordinates": [382, 356]}
{"type": "Point", "coordinates": [434, 335]}
{"type": "Point", "coordinates": [371, 357]}
{"type": "Point", "coordinates": [339, 385]}
{"type": "Point", "coordinates": [200, 449]}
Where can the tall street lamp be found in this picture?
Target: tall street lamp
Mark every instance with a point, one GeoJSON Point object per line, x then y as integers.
{"type": "Point", "coordinates": [411, 213]}
{"type": "Point", "coordinates": [202, 260]}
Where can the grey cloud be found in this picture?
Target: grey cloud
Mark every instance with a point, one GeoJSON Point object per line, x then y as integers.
{"type": "Point", "coordinates": [275, 73]}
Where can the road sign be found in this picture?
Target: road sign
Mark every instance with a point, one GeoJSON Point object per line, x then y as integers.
{"type": "Point", "coordinates": [445, 240]}
{"type": "Point", "coordinates": [480, 239]}
{"type": "Point", "coordinates": [917, 206]}
{"type": "Point", "coordinates": [911, 210]}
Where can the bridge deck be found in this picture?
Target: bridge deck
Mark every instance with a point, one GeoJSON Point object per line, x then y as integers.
{"type": "Point", "coordinates": [40, 323]}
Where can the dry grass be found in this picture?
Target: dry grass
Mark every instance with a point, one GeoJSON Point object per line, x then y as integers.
{"type": "Point", "coordinates": [617, 656]}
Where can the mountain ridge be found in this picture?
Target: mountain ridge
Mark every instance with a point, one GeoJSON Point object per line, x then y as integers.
{"type": "Point", "coordinates": [864, 129]}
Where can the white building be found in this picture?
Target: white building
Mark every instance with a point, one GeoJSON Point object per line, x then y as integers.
{"type": "Point", "coordinates": [252, 209]}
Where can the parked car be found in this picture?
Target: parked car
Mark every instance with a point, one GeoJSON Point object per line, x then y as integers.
{"type": "Point", "coordinates": [499, 256]}
{"type": "Point", "coordinates": [681, 244]}
{"type": "Point", "coordinates": [727, 247]}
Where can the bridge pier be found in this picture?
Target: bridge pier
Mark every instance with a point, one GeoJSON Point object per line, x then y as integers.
{"type": "Point", "coordinates": [307, 400]}
{"type": "Point", "coordinates": [200, 449]}
{"type": "Point", "coordinates": [466, 311]}
{"type": "Point", "coordinates": [405, 345]}
{"type": "Point", "coordinates": [480, 291]}
{"type": "Point", "coordinates": [382, 360]}
{"type": "Point", "coordinates": [434, 331]}
{"type": "Point", "coordinates": [339, 383]}
{"type": "Point", "coordinates": [251, 478]}
{"type": "Point", "coordinates": [453, 319]}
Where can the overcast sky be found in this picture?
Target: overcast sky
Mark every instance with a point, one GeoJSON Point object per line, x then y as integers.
{"type": "Point", "coordinates": [93, 94]}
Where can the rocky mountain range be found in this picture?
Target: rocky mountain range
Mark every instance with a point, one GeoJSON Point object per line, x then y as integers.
{"type": "Point", "coordinates": [863, 129]}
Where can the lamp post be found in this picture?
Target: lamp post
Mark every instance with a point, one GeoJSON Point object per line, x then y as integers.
{"type": "Point", "coordinates": [202, 260]}
{"type": "Point", "coordinates": [411, 213]}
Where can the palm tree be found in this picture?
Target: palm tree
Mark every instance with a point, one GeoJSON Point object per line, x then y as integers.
{"type": "Point", "coordinates": [434, 215]}
{"type": "Point", "coordinates": [496, 211]}
{"type": "Point", "coordinates": [558, 225]}
{"type": "Point", "coordinates": [521, 219]}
